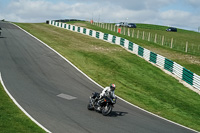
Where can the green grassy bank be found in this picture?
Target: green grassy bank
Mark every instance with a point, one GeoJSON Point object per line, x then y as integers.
{"type": "Point", "coordinates": [190, 61]}
{"type": "Point", "coordinates": [137, 81]}
{"type": "Point", "coordinates": [12, 119]}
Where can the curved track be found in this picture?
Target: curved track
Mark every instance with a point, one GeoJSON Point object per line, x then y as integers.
{"type": "Point", "coordinates": [55, 94]}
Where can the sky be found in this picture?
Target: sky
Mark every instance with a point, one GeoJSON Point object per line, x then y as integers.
{"type": "Point", "coordinates": [183, 14]}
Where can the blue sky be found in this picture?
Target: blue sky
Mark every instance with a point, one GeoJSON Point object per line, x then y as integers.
{"type": "Point", "coordinates": [178, 13]}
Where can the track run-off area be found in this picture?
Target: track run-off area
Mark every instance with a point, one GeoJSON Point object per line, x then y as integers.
{"type": "Point", "coordinates": [55, 94]}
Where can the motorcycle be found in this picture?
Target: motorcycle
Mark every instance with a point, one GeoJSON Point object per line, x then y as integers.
{"type": "Point", "coordinates": [103, 105]}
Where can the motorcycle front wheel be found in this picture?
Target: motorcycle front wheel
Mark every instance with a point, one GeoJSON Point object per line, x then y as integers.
{"type": "Point", "coordinates": [107, 110]}
{"type": "Point", "coordinates": [90, 107]}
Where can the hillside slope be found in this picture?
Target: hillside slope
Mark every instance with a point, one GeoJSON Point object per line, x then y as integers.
{"type": "Point", "coordinates": [190, 61]}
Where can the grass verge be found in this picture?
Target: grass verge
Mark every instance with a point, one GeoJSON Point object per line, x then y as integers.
{"type": "Point", "coordinates": [137, 81]}
{"type": "Point", "coordinates": [12, 119]}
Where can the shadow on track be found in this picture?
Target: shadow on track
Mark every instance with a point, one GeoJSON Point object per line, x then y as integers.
{"type": "Point", "coordinates": [117, 113]}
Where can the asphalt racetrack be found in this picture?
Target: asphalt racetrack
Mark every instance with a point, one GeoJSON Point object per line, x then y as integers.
{"type": "Point", "coordinates": [55, 94]}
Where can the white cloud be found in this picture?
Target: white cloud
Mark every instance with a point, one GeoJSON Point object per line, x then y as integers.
{"type": "Point", "coordinates": [180, 19]}
{"type": "Point", "coordinates": [194, 3]}
{"type": "Point", "coordinates": [142, 11]}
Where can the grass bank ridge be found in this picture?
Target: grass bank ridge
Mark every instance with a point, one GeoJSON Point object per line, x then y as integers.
{"type": "Point", "coordinates": [167, 64]}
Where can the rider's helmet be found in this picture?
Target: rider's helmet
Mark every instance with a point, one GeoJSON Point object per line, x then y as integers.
{"type": "Point", "coordinates": [112, 87]}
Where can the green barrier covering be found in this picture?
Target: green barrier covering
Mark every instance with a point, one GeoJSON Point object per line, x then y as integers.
{"type": "Point", "coordinates": [79, 29]}
{"type": "Point", "coordinates": [105, 37]}
{"type": "Point", "coordinates": [122, 41]}
{"type": "Point", "coordinates": [140, 51]}
{"type": "Point", "coordinates": [168, 65]}
{"type": "Point", "coordinates": [73, 28]}
{"type": "Point", "coordinates": [90, 33]}
{"type": "Point", "coordinates": [97, 34]}
{"type": "Point", "coordinates": [188, 76]}
{"type": "Point", "coordinates": [84, 30]}
{"type": "Point", "coordinates": [65, 26]}
{"type": "Point", "coordinates": [114, 39]}
{"type": "Point", "coordinates": [153, 57]}
{"type": "Point", "coordinates": [69, 26]}
{"type": "Point", "coordinates": [130, 46]}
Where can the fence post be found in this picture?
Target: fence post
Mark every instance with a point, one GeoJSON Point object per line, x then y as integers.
{"type": "Point", "coordinates": [143, 36]}
{"type": "Point", "coordinates": [138, 34]}
{"type": "Point", "coordinates": [133, 33]}
{"type": "Point", "coordinates": [163, 40]}
{"type": "Point", "coordinates": [186, 47]}
{"type": "Point", "coordinates": [155, 38]}
{"type": "Point", "coordinates": [171, 42]}
{"type": "Point", "coordinates": [128, 32]}
{"type": "Point", "coordinates": [149, 36]}
{"type": "Point", "coordinates": [124, 31]}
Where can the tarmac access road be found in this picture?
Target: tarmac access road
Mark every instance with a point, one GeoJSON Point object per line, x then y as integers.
{"type": "Point", "coordinates": [56, 94]}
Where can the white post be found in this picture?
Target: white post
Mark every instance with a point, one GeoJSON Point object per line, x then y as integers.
{"type": "Point", "coordinates": [171, 42]}
{"type": "Point", "coordinates": [149, 36]}
{"type": "Point", "coordinates": [133, 33]}
{"type": "Point", "coordinates": [163, 40]}
{"type": "Point", "coordinates": [186, 47]}
{"type": "Point", "coordinates": [128, 32]}
{"type": "Point", "coordinates": [155, 38]}
{"type": "Point", "coordinates": [138, 34]}
{"type": "Point", "coordinates": [143, 36]}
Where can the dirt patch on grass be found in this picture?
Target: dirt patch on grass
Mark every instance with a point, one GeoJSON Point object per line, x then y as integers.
{"type": "Point", "coordinates": [80, 24]}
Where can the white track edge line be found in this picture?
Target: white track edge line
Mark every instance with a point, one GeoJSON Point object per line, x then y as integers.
{"type": "Point", "coordinates": [16, 103]}
{"type": "Point", "coordinates": [100, 85]}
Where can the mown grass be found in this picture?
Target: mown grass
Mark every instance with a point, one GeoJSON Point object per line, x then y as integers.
{"type": "Point", "coordinates": [12, 119]}
{"type": "Point", "coordinates": [137, 81]}
{"type": "Point", "coordinates": [190, 61]}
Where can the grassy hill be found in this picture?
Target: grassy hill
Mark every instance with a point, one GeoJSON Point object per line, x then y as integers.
{"type": "Point", "coordinates": [137, 81]}
{"type": "Point", "coordinates": [189, 60]}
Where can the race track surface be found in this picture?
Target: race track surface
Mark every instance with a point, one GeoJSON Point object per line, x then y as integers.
{"type": "Point", "coordinates": [43, 83]}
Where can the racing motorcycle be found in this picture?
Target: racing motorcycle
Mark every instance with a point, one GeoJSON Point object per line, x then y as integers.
{"type": "Point", "coordinates": [103, 105]}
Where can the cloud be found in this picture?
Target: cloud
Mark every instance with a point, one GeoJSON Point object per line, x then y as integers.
{"type": "Point", "coordinates": [180, 19]}
{"type": "Point", "coordinates": [142, 11]}
{"type": "Point", "coordinates": [193, 3]}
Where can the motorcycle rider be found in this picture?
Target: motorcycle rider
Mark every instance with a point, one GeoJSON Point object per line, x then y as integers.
{"type": "Point", "coordinates": [110, 90]}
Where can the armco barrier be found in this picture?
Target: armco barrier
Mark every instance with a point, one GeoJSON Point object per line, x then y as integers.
{"type": "Point", "coordinates": [181, 72]}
